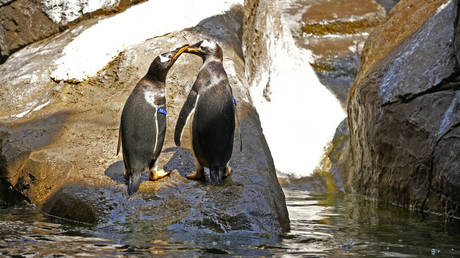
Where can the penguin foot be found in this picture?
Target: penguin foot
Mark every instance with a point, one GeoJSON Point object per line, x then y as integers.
{"type": "Point", "coordinates": [194, 175]}
{"type": "Point", "coordinates": [157, 174]}
{"type": "Point", "coordinates": [125, 175]}
{"type": "Point", "coordinates": [228, 171]}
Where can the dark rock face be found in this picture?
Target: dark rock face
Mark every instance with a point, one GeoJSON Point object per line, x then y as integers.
{"type": "Point", "coordinates": [21, 23]}
{"type": "Point", "coordinates": [404, 110]}
{"type": "Point", "coordinates": [61, 155]}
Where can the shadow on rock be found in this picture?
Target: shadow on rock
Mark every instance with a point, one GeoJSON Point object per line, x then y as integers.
{"type": "Point", "coordinates": [17, 141]}
{"type": "Point", "coordinates": [115, 172]}
{"type": "Point", "coordinates": [213, 28]}
{"type": "Point", "coordinates": [182, 160]}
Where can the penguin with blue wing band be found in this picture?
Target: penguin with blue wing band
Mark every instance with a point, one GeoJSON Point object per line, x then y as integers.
{"type": "Point", "coordinates": [213, 110]}
{"type": "Point", "coordinates": [143, 122]}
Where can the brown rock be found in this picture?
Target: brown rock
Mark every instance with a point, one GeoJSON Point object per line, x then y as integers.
{"type": "Point", "coordinates": [65, 151]}
{"type": "Point", "coordinates": [21, 23]}
{"type": "Point", "coordinates": [404, 110]}
{"type": "Point", "coordinates": [335, 32]}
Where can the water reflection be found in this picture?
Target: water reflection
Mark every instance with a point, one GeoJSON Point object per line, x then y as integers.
{"type": "Point", "coordinates": [322, 224]}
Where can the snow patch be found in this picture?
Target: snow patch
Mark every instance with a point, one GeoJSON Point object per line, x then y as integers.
{"type": "Point", "coordinates": [64, 11]}
{"type": "Point", "coordinates": [98, 45]}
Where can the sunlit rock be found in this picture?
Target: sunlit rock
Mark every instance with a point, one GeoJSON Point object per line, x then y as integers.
{"type": "Point", "coordinates": [404, 109]}
{"type": "Point", "coordinates": [335, 32]}
{"type": "Point", "coordinates": [64, 11]}
{"type": "Point", "coordinates": [59, 138]}
{"type": "Point", "coordinates": [23, 22]}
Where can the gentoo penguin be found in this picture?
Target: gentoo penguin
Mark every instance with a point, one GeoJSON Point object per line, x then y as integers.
{"type": "Point", "coordinates": [213, 111]}
{"type": "Point", "coordinates": [143, 122]}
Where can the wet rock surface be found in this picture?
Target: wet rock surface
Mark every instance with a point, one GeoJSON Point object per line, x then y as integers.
{"type": "Point", "coordinates": [335, 32]}
{"type": "Point", "coordinates": [59, 141]}
{"type": "Point", "coordinates": [23, 22]}
{"type": "Point", "coordinates": [404, 110]}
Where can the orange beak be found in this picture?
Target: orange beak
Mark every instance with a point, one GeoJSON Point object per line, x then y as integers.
{"type": "Point", "coordinates": [179, 52]}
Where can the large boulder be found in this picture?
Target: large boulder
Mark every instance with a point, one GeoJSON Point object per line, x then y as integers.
{"type": "Point", "coordinates": [23, 22]}
{"type": "Point", "coordinates": [59, 140]}
{"type": "Point", "coordinates": [404, 109]}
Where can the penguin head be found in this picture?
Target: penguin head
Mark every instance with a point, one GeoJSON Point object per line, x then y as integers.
{"type": "Point", "coordinates": [206, 48]}
{"type": "Point", "coordinates": [162, 63]}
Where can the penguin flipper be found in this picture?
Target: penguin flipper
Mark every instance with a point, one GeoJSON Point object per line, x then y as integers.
{"type": "Point", "coordinates": [119, 140]}
{"type": "Point", "coordinates": [237, 119]}
{"type": "Point", "coordinates": [185, 111]}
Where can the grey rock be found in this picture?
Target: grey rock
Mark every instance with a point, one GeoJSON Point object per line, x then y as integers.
{"type": "Point", "coordinates": [388, 4]}
{"type": "Point", "coordinates": [404, 110]}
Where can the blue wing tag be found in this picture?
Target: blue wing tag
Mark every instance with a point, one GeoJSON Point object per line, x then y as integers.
{"type": "Point", "coordinates": [234, 101]}
{"type": "Point", "coordinates": [162, 111]}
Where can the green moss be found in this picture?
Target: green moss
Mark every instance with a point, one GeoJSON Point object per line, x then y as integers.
{"type": "Point", "coordinates": [322, 67]}
{"type": "Point", "coordinates": [339, 27]}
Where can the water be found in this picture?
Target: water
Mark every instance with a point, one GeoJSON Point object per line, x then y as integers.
{"type": "Point", "coordinates": [287, 92]}
{"type": "Point", "coordinates": [322, 224]}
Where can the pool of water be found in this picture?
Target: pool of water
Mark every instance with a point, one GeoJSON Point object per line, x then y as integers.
{"type": "Point", "coordinates": [322, 224]}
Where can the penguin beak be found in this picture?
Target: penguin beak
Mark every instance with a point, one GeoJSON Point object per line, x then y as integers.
{"type": "Point", "coordinates": [194, 48]}
{"type": "Point", "coordinates": [179, 52]}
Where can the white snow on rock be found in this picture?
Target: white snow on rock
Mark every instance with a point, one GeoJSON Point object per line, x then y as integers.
{"type": "Point", "coordinates": [98, 45]}
{"type": "Point", "coordinates": [64, 11]}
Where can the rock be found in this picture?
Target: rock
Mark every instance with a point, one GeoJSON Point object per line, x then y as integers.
{"type": "Point", "coordinates": [338, 157]}
{"type": "Point", "coordinates": [62, 155]}
{"type": "Point", "coordinates": [388, 4]}
{"type": "Point", "coordinates": [5, 2]}
{"type": "Point", "coordinates": [335, 32]}
{"type": "Point", "coordinates": [64, 11]}
{"type": "Point", "coordinates": [404, 110]}
{"type": "Point", "coordinates": [23, 22]}
{"type": "Point", "coordinates": [331, 175]}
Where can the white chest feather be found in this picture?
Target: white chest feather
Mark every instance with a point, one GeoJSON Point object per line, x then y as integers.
{"type": "Point", "coordinates": [150, 98]}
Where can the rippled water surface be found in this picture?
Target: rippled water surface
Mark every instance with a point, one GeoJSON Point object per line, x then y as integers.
{"type": "Point", "coordinates": [321, 225]}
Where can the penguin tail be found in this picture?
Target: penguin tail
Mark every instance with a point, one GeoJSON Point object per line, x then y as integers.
{"type": "Point", "coordinates": [133, 182]}
{"type": "Point", "coordinates": [216, 175]}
